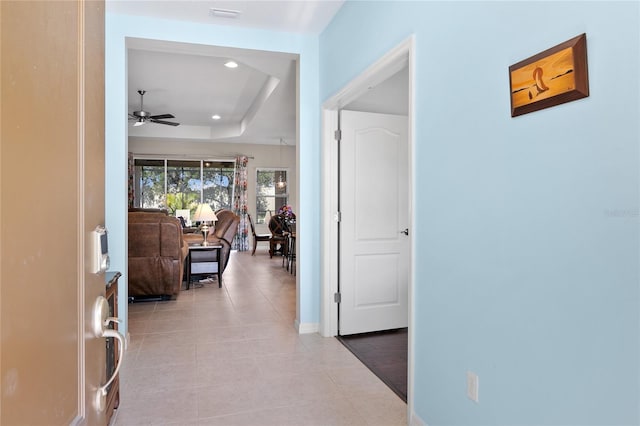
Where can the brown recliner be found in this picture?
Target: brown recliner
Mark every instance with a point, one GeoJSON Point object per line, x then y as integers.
{"type": "Point", "coordinates": [223, 233]}
{"type": "Point", "coordinates": [156, 255]}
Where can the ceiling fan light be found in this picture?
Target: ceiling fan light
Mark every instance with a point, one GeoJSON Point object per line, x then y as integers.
{"type": "Point", "coordinates": [143, 116]}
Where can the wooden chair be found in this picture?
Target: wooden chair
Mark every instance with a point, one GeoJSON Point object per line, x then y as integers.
{"type": "Point", "coordinates": [257, 237]}
{"type": "Point", "coordinates": [279, 236]}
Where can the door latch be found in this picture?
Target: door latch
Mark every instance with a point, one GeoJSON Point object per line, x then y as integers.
{"type": "Point", "coordinates": [100, 322]}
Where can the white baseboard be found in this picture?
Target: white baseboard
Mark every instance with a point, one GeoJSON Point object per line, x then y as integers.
{"type": "Point", "coordinates": [306, 327]}
{"type": "Point", "coordinates": [416, 420]}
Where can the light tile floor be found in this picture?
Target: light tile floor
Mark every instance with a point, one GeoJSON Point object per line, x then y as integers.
{"type": "Point", "coordinates": [230, 356]}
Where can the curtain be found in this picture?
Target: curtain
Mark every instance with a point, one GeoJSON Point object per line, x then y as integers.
{"type": "Point", "coordinates": [131, 177]}
{"type": "Point", "coordinates": [241, 240]}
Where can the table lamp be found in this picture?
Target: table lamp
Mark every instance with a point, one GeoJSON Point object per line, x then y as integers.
{"type": "Point", "coordinates": [204, 214]}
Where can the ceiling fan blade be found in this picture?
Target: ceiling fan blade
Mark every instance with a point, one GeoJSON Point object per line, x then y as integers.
{"type": "Point", "coordinates": [161, 116]}
{"type": "Point", "coordinates": [164, 122]}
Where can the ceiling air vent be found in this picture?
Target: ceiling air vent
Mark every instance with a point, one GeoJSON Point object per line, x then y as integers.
{"type": "Point", "coordinates": [224, 13]}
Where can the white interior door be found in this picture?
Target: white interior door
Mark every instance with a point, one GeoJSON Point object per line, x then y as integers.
{"type": "Point", "coordinates": [374, 206]}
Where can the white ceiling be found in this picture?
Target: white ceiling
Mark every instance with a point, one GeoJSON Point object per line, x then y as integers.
{"type": "Point", "coordinates": [257, 100]}
{"type": "Point", "coordinates": [297, 16]}
{"type": "Point", "coordinates": [389, 97]}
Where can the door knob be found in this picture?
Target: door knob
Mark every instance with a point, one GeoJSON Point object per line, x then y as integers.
{"type": "Point", "coordinates": [405, 231]}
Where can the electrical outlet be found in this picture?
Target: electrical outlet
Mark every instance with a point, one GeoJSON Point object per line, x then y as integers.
{"type": "Point", "coordinates": [472, 386]}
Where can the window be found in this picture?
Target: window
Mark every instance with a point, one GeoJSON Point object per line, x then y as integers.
{"type": "Point", "coordinates": [218, 184]}
{"type": "Point", "coordinates": [271, 193]}
{"type": "Point", "coordinates": [183, 184]}
{"type": "Point", "coordinates": [149, 183]}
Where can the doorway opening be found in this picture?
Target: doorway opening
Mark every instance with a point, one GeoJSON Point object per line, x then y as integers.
{"type": "Point", "coordinates": [397, 65]}
{"type": "Point", "coordinates": [224, 115]}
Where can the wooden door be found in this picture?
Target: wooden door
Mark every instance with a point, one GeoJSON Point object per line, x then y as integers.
{"type": "Point", "coordinates": [374, 207]}
{"type": "Point", "coordinates": [51, 198]}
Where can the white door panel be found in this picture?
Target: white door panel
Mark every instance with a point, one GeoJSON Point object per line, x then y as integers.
{"type": "Point", "coordinates": [370, 269]}
{"type": "Point", "coordinates": [374, 208]}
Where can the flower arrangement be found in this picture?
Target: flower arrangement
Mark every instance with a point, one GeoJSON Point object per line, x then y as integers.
{"type": "Point", "coordinates": [287, 211]}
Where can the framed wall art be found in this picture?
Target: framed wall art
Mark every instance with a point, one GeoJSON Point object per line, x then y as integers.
{"type": "Point", "coordinates": [553, 77]}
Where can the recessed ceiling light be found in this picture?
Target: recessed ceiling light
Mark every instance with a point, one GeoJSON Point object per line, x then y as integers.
{"type": "Point", "coordinates": [231, 64]}
{"type": "Point", "coordinates": [216, 117]}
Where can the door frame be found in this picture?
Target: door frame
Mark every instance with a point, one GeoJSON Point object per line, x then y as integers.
{"type": "Point", "coordinates": [390, 63]}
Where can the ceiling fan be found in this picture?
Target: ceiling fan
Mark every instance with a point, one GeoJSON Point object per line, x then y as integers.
{"type": "Point", "coordinates": [142, 116]}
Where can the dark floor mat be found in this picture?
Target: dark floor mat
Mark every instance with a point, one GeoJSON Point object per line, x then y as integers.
{"type": "Point", "coordinates": [385, 354]}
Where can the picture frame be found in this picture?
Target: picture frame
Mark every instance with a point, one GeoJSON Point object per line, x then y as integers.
{"type": "Point", "coordinates": [549, 78]}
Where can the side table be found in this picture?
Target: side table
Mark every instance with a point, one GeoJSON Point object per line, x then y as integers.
{"type": "Point", "coordinates": [204, 260]}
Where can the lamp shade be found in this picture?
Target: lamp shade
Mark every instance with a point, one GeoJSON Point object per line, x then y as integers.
{"type": "Point", "coordinates": [204, 214]}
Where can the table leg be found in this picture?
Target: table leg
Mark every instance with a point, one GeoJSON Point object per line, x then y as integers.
{"type": "Point", "coordinates": [188, 260]}
{"type": "Point", "coordinates": [219, 274]}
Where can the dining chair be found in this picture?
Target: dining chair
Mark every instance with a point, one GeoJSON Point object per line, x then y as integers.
{"type": "Point", "coordinates": [257, 237]}
{"type": "Point", "coordinates": [279, 236]}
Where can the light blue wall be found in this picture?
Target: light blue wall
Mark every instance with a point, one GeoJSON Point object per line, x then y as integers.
{"type": "Point", "coordinates": [118, 28]}
{"type": "Point", "coordinates": [527, 241]}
